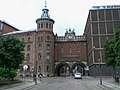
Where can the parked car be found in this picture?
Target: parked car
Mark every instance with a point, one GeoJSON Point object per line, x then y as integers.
{"type": "Point", "coordinates": [77, 76]}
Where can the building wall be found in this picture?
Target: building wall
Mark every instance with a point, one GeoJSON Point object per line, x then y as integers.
{"type": "Point", "coordinates": [70, 51]}
{"type": "Point", "coordinates": [6, 28]}
{"type": "Point", "coordinates": [100, 25]}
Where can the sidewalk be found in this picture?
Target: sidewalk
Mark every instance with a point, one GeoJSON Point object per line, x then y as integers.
{"type": "Point", "coordinates": [20, 86]}
{"type": "Point", "coordinates": [110, 85]}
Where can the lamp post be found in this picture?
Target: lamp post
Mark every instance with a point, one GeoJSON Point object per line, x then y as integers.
{"type": "Point", "coordinates": [100, 71]}
{"type": "Point", "coordinates": [36, 61]}
{"type": "Point", "coordinates": [36, 72]}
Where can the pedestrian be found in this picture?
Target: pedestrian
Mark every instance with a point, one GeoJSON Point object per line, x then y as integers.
{"type": "Point", "coordinates": [34, 77]}
{"type": "Point", "coordinates": [40, 76]}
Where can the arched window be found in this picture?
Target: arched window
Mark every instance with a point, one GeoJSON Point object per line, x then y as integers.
{"type": "Point", "coordinates": [78, 49]}
{"type": "Point", "coordinates": [70, 49]}
{"type": "Point", "coordinates": [41, 25]}
{"type": "Point", "coordinates": [49, 25]}
{"type": "Point", "coordinates": [46, 25]}
{"type": "Point", "coordinates": [48, 47]}
{"type": "Point", "coordinates": [48, 56]}
{"type": "Point", "coordinates": [39, 46]}
{"type": "Point", "coordinates": [38, 39]}
{"type": "Point", "coordinates": [47, 68]}
{"type": "Point", "coordinates": [39, 56]}
{"type": "Point", "coordinates": [41, 38]}
{"type": "Point", "coordinates": [22, 39]}
{"type": "Point", "coordinates": [28, 39]}
{"type": "Point", "coordinates": [39, 68]}
{"type": "Point", "coordinates": [28, 57]}
{"type": "Point", "coordinates": [28, 47]}
{"type": "Point", "coordinates": [48, 37]}
{"type": "Point", "coordinates": [38, 25]}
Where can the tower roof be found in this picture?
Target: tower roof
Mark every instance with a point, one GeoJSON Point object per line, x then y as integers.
{"type": "Point", "coordinates": [45, 12]}
{"type": "Point", "coordinates": [45, 15]}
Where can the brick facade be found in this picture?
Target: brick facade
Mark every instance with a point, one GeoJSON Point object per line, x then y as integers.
{"type": "Point", "coordinates": [65, 55]}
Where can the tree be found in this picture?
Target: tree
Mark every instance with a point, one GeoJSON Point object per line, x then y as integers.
{"type": "Point", "coordinates": [110, 54]}
{"type": "Point", "coordinates": [112, 50]}
{"type": "Point", "coordinates": [11, 52]}
{"type": "Point", "coordinates": [117, 46]}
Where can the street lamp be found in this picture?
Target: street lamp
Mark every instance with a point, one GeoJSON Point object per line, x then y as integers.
{"type": "Point", "coordinates": [100, 71]}
{"type": "Point", "coordinates": [36, 72]}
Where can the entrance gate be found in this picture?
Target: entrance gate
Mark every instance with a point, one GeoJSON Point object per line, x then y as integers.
{"type": "Point", "coordinates": [66, 69]}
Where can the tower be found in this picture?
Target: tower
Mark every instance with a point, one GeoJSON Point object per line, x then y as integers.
{"type": "Point", "coordinates": [45, 43]}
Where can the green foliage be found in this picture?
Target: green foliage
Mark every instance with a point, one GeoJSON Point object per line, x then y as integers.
{"type": "Point", "coordinates": [112, 49]}
{"type": "Point", "coordinates": [4, 73]}
{"type": "Point", "coordinates": [109, 52]}
{"type": "Point", "coordinates": [11, 54]}
{"type": "Point", "coordinates": [117, 46]}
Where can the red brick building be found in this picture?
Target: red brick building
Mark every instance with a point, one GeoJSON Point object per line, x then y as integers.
{"type": "Point", "coordinates": [65, 55]}
{"type": "Point", "coordinates": [54, 55]}
{"type": "Point", "coordinates": [6, 28]}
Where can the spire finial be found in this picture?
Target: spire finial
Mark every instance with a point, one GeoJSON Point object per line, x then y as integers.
{"type": "Point", "coordinates": [45, 3]}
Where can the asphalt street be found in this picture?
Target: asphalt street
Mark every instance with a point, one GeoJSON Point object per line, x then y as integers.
{"type": "Point", "coordinates": [67, 83]}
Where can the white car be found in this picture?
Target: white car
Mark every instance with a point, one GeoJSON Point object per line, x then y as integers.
{"type": "Point", "coordinates": [77, 76]}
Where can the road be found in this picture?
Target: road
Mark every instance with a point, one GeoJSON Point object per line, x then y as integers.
{"type": "Point", "coordinates": [67, 83]}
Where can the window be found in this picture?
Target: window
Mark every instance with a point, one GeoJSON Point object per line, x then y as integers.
{"type": "Point", "coordinates": [38, 25]}
{"type": "Point", "coordinates": [48, 37]}
{"type": "Point", "coordinates": [39, 56]}
{"type": "Point", "coordinates": [48, 47]}
{"type": "Point", "coordinates": [22, 39]}
{"type": "Point", "coordinates": [70, 49]}
{"type": "Point", "coordinates": [39, 46]}
{"type": "Point", "coordinates": [62, 50]}
{"type": "Point", "coordinates": [48, 56]}
{"type": "Point", "coordinates": [28, 39]}
{"type": "Point", "coordinates": [47, 68]}
{"type": "Point", "coordinates": [94, 15]}
{"type": "Point", "coordinates": [39, 68]}
{"type": "Point", "coordinates": [49, 25]}
{"type": "Point", "coordinates": [41, 38]}
{"type": "Point", "coordinates": [78, 49]}
{"type": "Point", "coordinates": [28, 47]}
{"type": "Point", "coordinates": [28, 57]}
{"type": "Point", "coordinates": [41, 25]}
{"type": "Point", "coordinates": [46, 25]}
{"type": "Point", "coordinates": [38, 39]}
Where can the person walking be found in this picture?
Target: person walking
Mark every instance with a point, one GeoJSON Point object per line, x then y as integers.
{"type": "Point", "coordinates": [34, 77]}
{"type": "Point", "coordinates": [40, 76]}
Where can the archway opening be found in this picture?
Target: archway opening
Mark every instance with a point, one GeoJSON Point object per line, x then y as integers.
{"type": "Point", "coordinates": [62, 69]}
{"type": "Point", "coordinates": [78, 67]}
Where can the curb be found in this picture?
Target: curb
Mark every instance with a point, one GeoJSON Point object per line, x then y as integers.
{"type": "Point", "coordinates": [108, 86]}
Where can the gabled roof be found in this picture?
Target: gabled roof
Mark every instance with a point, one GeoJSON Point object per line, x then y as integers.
{"type": "Point", "coordinates": [20, 32]}
{"type": "Point", "coordinates": [4, 22]}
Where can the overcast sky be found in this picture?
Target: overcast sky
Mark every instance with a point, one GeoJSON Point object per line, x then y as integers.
{"type": "Point", "coordinates": [22, 14]}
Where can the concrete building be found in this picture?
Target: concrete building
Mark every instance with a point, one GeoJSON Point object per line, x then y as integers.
{"type": "Point", "coordinates": [101, 24]}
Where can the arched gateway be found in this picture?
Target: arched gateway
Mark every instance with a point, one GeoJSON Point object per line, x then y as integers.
{"type": "Point", "coordinates": [69, 68]}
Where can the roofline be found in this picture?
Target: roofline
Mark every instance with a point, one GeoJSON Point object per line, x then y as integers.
{"type": "Point", "coordinates": [4, 22]}
{"type": "Point", "coordinates": [20, 32]}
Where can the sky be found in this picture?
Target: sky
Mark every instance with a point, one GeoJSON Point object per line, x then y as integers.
{"type": "Point", "coordinates": [73, 14]}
